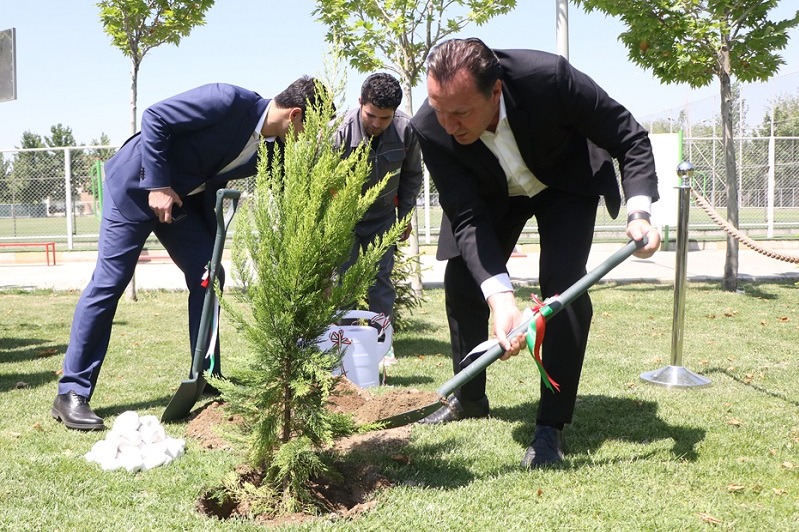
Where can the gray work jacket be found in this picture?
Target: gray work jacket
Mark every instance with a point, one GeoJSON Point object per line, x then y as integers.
{"type": "Point", "coordinates": [398, 154]}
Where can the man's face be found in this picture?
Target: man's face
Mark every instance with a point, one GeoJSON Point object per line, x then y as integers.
{"type": "Point", "coordinates": [375, 120]}
{"type": "Point", "coordinates": [462, 110]}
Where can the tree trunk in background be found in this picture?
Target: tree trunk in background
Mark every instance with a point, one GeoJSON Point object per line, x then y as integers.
{"type": "Point", "coordinates": [130, 291]}
{"type": "Point", "coordinates": [413, 241]}
{"type": "Point", "coordinates": [730, 280]}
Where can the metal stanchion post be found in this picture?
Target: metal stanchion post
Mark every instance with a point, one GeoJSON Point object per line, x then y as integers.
{"type": "Point", "coordinates": [675, 375]}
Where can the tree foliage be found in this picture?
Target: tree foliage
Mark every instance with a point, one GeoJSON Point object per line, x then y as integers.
{"type": "Point", "coordinates": [695, 41]}
{"type": "Point", "coordinates": [138, 26]}
{"type": "Point", "coordinates": [786, 117]}
{"type": "Point", "coordinates": [397, 35]}
{"type": "Point", "coordinates": [688, 41]}
{"type": "Point", "coordinates": [292, 236]}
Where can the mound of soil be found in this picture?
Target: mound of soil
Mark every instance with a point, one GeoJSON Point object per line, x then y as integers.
{"type": "Point", "coordinates": [354, 492]}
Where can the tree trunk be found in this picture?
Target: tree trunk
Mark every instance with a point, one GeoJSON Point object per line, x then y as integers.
{"type": "Point", "coordinates": [730, 280]}
{"type": "Point", "coordinates": [130, 291]}
{"type": "Point", "coordinates": [413, 240]}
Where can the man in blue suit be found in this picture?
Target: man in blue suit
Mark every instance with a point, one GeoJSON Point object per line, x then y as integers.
{"type": "Point", "coordinates": [163, 181]}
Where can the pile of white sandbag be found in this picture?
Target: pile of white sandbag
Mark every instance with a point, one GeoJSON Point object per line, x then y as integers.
{"type": "Point", "coordinates": [135, 443]}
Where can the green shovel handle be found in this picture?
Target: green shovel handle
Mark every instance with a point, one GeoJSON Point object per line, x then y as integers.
{"type": "Point", "coordinates": [554, 304]}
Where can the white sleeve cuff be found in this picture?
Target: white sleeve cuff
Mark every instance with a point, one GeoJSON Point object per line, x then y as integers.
{"type": "Point", "coordinates": [494, 285]}
{"type": "Point", "coordinates": [639, 203]}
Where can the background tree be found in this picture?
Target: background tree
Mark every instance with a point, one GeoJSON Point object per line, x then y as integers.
{"type": "Point", "coordinates": [397, 35]}
{"type": "Point", "coordinates": [291, 238]}
{"type": "Point", "coordinates": [5, 180]}
{"type": "Point", "coordinates": [60, 137]}
{"type": "Point", "coordinates": [695, 41]}
{"type": "Point", "coordinates": [30, 170]}
{"type": "Point", "coordinates": [785, 117]}
{"type": "Point", "coordinates": [138, 26]}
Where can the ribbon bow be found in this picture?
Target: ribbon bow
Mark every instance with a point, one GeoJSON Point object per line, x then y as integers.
{"type": "Point", "coordinates": [338, 339]}
{"type": "Point", "coordinates": [534, 341]}
{"type": "Point", "coordinates": [380, 320]}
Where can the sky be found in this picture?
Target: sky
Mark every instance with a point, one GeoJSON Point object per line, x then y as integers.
{"type": "Point", "coordinates": [69, 73]}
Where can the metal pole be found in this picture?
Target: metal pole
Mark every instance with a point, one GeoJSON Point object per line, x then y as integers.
{"type": "Point", "coordinates": [68, 205]}
{"type": "Point", "coordinates": [562, 27]}
{"type": "Point", "coordinates": [675, 375]}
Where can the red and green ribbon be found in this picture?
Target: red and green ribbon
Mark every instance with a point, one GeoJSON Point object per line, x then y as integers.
{"type": "Point", "coordinates": [535, 337]}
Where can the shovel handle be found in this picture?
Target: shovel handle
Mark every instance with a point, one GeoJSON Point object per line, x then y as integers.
{"type": "Point", "coordinates": [555, 304]}
{"type": "Point", "coordinates": [223, 220]}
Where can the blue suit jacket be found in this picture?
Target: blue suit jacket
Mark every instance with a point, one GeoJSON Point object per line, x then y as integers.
{"type": "Point", "coordinates": [184, 142]}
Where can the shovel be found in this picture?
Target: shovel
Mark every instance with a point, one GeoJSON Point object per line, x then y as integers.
{"type": "Point", "coordinates": [480, 361]}
{"type": "Point", "coordinates": [190, 390]}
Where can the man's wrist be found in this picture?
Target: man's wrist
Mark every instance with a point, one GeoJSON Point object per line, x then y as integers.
{"type": "Point", "coordinates": [638, 215]}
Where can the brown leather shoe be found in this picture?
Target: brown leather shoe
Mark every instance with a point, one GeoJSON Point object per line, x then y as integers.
{"type": "Point", "coordinates": [74, 412]}
{"type": "Point", "coordinates": [456, 410]}
{"type": "Point", "coordinates": [546, 449]}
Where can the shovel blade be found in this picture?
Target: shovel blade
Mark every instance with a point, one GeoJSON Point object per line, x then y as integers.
{"type": "Point", "coordinates": [411, 416]}
{"type": "Point", "coordinates": [184, 399]}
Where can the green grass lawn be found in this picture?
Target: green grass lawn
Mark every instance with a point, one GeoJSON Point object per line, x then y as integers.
{"type": "Point", "coordinates": [640, 457]}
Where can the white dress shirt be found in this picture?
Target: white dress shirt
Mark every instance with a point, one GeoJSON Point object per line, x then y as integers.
{"type": "Point", "coordinates": [522, 182]}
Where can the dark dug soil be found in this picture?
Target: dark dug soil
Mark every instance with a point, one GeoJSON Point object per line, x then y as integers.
{"type": "Point", "coordinates": [346, 498]}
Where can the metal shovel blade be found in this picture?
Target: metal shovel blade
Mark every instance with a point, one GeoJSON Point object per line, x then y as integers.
{"type": "Point", "coordinates": [184, 399]}
{"type": "Point", "coordinates": [411, 416]}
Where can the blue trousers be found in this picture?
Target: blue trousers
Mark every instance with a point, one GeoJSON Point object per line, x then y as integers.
{"type": "Point", "coordinates": [189, 243]}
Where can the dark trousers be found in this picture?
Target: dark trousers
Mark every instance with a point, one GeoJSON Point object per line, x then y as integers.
{"type": "Point", "coordinates": [565, 227]}
{"type": "Point", "coordinates": [189, 243]}
{"type": "Point", "coordinates": [382, 293]}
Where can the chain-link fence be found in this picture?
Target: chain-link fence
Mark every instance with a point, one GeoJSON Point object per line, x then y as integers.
{"type": "Point", "coordinates": [51, 194]}
{"type": "Point", "coordinates": [55, 194]}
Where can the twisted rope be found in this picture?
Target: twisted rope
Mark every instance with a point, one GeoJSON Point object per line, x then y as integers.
{"type": "Point", "coordinates": [733, 232]}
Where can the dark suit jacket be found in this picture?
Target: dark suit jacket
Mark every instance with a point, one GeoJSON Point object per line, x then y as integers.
{"type": "Point", "coordinates": [567, 129]}
{"type": "Point", "coordinates": [184, 142]}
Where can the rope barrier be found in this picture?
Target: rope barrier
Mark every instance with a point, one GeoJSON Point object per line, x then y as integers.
{"type": "Point", "coordinates": [735, 233]}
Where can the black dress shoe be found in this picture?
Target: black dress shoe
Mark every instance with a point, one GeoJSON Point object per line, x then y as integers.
{"type": "Point", "coordinates": [74, 412]}
{"type": "Point", "coordinates": [456, 410]}
{"type": "Point", "coordinates": [546, 448]}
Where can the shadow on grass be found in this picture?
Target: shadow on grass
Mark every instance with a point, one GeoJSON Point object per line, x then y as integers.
{"type": "Point", "coordinates": [526, 291]}
{"type": "Point", "coordinates": [159, 402]}
{"type": "Point", "coordinates": [417, 347]}
{"type": "Point", "coordinates": [756, 387]}
{"type": "Point", "coordinates": [408, 381]}
{"type": "Point", "coordinates": [26, 349]}
{"type": "Point", "coordinates": [599, 418]}
{"type": "Point", "coordinates": [13, 381]}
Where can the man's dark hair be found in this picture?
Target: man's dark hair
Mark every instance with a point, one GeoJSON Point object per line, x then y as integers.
{"type": "Point", "coordinates": [381, 90]}
{"type": "Point", "coordinates": [471, 55]}
{"type": "Point", "coordinates": [303, 92]}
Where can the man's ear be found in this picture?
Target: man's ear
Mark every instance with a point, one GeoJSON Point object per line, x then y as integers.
{"type": "Point", "coordinates": [295, 112]}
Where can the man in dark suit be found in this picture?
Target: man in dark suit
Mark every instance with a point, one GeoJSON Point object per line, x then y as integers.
{"type": "Point", "coordinates": [163, 181]}
{"type": "Point", "coordinates": [508, 135]}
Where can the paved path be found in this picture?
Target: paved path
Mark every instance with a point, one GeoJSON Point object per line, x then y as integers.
{"type": "Point", "coordinates": [160, 273]}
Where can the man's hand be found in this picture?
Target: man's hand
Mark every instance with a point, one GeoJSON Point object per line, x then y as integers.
{"type": "Point", "coordinates": [506, 316]}
{"type": "Point", "coordinates": [406, 234]}
{"type": "Point", "coordinates": [636, 230]}
{"type": "Point", "coordinates": [161, 200]}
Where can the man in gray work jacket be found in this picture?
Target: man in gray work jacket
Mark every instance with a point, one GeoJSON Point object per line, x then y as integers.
{"type": "Point", "coordinates": [394, 150]}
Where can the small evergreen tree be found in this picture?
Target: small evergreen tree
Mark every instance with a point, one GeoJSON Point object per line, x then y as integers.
{"type": "Point", "coordinates": [292, 236]}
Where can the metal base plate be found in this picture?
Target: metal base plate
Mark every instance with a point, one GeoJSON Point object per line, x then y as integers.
{"type": "Point", "coordinates": [675, 377]}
